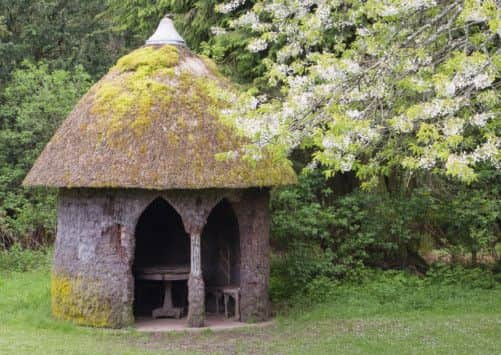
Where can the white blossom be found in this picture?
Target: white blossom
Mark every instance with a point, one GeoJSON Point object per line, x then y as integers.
{"type": "Point", "coordinates": [229, 6]}
{"type": "Point", "coordinates": [457, 165]}
{"type": "Point", "coordinates": [480, 119]}
{"type": "Point", "coordinates": [249, 19]}
{"type": "Point", "coordinates": [389, 11]}
{"type": "Point", "coordinates": [354, 114]}
{"type": "Point", "coordinates": [328, 143]}
{"type": "Point", "coordinates": [488, 151]}
{"type": "Point", "coordinates": [346, 162]}
{"type": "Point", "coordinates": [450, 89]}
{"type": "Point", "coordinates": [351, 66]}
{"type": "Point", "coordinates": [476, 15]}
{"type": "Point", "coordinates": [452, 127]}
{"type": "Point", "coordinates": [279, 10]}
{"type": "Point", "coordinates": [482, 81]}
{"type": "Point", "coordinates": [217, 31]}
{"type": "Point", "coordinates": [288, 51]}
{"type": "Point", "coordinates": [402, 124]}
{"type": "Point", "coordinates": [426, 162]}
{"type": "Point", "coordinates": [257, 45]}
{"type": "Point", "coordinates": [364, 32]}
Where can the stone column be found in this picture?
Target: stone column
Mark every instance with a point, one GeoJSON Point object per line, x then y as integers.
{"type": "Point", "coordinates": [253, 220]}
{"type": "Point", "coordinates": [196, 290]}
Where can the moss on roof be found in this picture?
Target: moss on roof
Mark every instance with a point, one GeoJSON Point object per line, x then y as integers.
{"type": "Point", "coordinates": [153, 122]}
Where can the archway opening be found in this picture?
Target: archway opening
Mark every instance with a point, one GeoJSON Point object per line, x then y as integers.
{"type": "Point", "coordinates": [220, 254]}
{"type": "Point", "coordinates": [162, 247]}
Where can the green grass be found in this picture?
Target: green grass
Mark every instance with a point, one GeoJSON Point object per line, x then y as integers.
{"type": "Point", "coordinates": [379, 317]}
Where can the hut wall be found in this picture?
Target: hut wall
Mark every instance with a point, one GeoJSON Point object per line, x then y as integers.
{"type": "Point", "coordinates": [92, 281]}
{"type": "Point", "coordinates": [253, 218]}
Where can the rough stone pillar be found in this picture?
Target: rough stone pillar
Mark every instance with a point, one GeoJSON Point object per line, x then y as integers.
{"type": "Point", "coordinates": [254, 220]}
{"type": "Point", "coordinates": [196, 290]}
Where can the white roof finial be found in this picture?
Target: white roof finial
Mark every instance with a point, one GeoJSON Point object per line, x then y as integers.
{"type": "Point", "coordinates": [166, 34]}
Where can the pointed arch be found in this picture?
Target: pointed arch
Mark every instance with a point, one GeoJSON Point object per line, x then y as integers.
{"type": "Point", "coordinates": [221, 246]}
{"type": "Point", "coordinates": [160, 240]}
{"type": "Point", "coordinates": [160, 235]}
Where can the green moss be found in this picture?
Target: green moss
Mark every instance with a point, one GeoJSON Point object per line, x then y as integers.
{"type": "Point", "coordinates": [79, 300]}
{"type": "Point", "coordinates": [149, 58]}
{"type": "Point", "coordinates": [132, 99]}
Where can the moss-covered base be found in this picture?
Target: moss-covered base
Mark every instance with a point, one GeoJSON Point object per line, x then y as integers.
{"type": "Point", "coordinates": [84, 302]}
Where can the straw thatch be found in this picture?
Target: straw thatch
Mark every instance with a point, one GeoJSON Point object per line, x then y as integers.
{"type": "Point", "coordinates": [153, 122]}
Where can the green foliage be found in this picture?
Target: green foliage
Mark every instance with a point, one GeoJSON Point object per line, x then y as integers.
{"type": "Point", "coordinates": [195, 20]}
{"type": "Point", "coordinates": [320, 290]}
{"type": "Point", "coordinates": [17, 259]}
{"type": "Point", "coordinates": [63, 33]}
{"type": "Point", "coordinates": [302, 212]}
{"type": "Point", "coordinates": [356, 229]}
{"type": "Point", "coordinates": [398, 290]}
{"type": "Point", "coordinates": [140, 18]}
{"type": "Point", "coordinates": [35, 102]}
{"type": "Point", "coordinates": [470, 218]}
{"type": "Point", "coordinates": [290, 272]}
{"type": "Point", "coordinates": [477, 277]}
{"type": "Point", "coordinates": [323, 236]}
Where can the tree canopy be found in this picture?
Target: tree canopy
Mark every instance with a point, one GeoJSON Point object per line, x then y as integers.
{"type": "Point", "coordinates": [374, 87]}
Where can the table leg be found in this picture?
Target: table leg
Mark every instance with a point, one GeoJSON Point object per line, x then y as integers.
{"type": "Point", "coordinates": [237, 306]}
{"type": "Point", "coordinates": [167, 310]}
{"type": "Point", "coordinates": [225, 305]}
{"type": "Point", "coordinates": [167, 294]}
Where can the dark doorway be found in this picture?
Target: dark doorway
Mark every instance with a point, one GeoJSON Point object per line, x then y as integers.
{"type": "Point", "coordinates": [160, 241]}
{"type": "Point", "coordinates": [220, 250]}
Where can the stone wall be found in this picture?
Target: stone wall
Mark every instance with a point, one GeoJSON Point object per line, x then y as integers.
{"type": "Point", "coordinates": [92, 282]}
{"type": "Point", "coordinates": [253, 219]}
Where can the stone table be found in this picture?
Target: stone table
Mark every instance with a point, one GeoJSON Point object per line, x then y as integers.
{"type": "Point", "coordinates": [165, 274]}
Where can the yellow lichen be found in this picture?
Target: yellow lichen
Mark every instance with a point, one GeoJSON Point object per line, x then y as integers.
{"type": "Point", "coordinates": [130, 99]}
{"type": "Point", "coordinates": [149, 58]}
{"type": "Point", "coordinates": [79, 300]}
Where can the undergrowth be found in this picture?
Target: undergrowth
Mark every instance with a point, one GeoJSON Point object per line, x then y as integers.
{"type": "Point", "coordinates": [18, 259]}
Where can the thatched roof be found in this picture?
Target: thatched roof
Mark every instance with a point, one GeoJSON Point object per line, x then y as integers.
{"type": "Point", "coordinates": [153, 122]}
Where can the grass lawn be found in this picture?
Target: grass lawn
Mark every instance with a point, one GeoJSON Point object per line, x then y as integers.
{"type": "Point", "coordinates": [388, 319]}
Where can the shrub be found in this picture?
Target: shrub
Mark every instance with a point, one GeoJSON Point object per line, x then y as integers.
{"type": "Point", "coordinates": [472, 277]}
{"type": "Point", "coordinates": [291, 272]}
{"type": "Point", "coordinates": [321, 289]}
{"type": "Point", "coordinates": [19, 259]}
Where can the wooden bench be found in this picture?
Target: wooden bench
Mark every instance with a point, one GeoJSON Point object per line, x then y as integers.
{"type": "Point", "coordinates": [225, 292]}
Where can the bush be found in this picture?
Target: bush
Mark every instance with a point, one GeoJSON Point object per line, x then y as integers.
{"type": "Point", "coordinates": [21, 260]}
{"type": "Point", "coordinates": [291, 272]}
{"type": "Point", "coordinates": [320, 290]}
{"type": "Point", "coordinates": [396, 290]}
{"type": "Point", "coordinates": [473, 277]}
{"type": "Point", "coordinates": [358, 229]}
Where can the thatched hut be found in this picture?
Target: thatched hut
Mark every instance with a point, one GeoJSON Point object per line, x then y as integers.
{"type": "Point", "coordinates": [144, 196]}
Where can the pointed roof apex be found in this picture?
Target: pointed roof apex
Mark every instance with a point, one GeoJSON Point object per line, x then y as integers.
{"type": "Point", "coordinates": [166, 33]}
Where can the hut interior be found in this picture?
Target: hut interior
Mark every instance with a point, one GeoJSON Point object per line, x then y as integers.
{"type": "Point", "coordinates": [161, 241]}
{"type": "Point", "coordinates": [220, 254]}
{"type": "Point", "coordinates": [163, 248]}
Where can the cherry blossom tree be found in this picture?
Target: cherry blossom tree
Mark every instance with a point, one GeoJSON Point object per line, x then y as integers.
{"type": "Point", "coordinates": [372, 86]}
